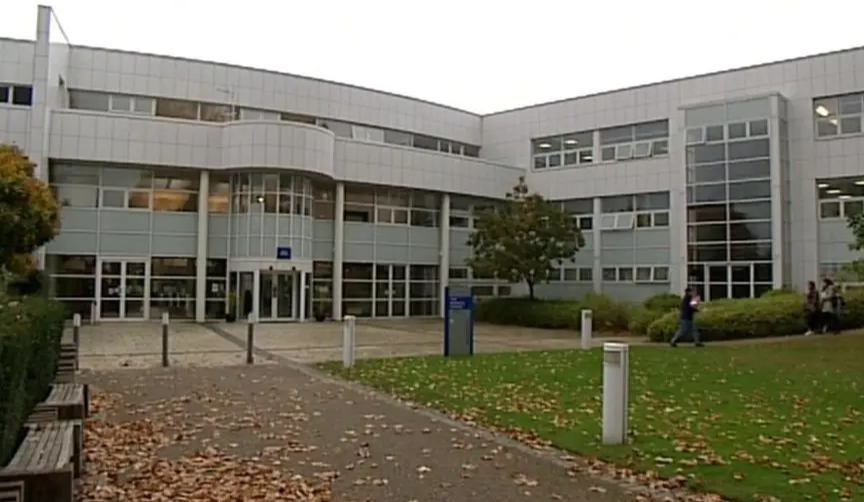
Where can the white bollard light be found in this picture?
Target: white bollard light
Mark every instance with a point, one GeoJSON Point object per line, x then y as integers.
{"type": "Point", "coordinates": [587, 329]}
{"type": "Point", "coordinates": [616, 376]}
{"type": "Point", "coordinates": [349, 327]}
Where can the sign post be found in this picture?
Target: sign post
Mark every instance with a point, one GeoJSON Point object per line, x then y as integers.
{"type": "Point", "coordinates": [458, 324]}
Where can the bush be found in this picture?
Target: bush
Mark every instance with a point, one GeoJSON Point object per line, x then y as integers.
{"type": "Point", "coordinates": [30, 333]}
{"type": "Point", "coordinates": [664, 302]}
{"type": "Point", "coordinates": [555, 314]}
{"type": "Point", "coordinates": [771, 315]}
{"type": "Point", "coordinates": [779, 292]}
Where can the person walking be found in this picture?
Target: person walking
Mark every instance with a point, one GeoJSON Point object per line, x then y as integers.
{"type": "Point", "coordinates": [812, 305]}
{"type": "Point", "coordinates": [830, 304]}
{"type": "Point", "coordinates": [687, 318]}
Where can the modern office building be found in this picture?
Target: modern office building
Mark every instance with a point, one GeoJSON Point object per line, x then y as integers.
{"type": "Point", "coordinates": [185, 182]}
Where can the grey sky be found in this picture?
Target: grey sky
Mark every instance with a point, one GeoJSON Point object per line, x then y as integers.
{"type": "Point", "coordinates": [480, 55]}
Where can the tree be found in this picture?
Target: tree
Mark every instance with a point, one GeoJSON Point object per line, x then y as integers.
{"type": "Point", "coordinates": [29, 214]}
{"type": "Point", "coordinates": [523, 239]}
{"type": "Point", "coordinates": [855, 270]}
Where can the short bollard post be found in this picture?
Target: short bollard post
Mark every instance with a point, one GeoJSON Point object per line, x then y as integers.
{"type": "Point", "coordinates": [76, 335]}
{"type": "Point", "coordinates": [92, 313]}
{"type": "Point", "coordinates": [587, 329]}
{"type": "Point", "coordinates": [616, 375]}
{"type": "Point", "coordinates": [349, 325]}
{"type": "Point", "coordinates": [250, 340]}
{"type": "Point", "coordinates": [165, 320]}
{"type": "Point", "coordinates": [76, 329]}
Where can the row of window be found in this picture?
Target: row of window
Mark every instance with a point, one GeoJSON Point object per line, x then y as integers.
{"type": "Point", "coordinates": [726, 232]}
{"type": "Point", "coordinates": [721, 192]}
{"type": "Point", "coordinates": [841, 208]}
{"type": "Point", "coordinates": [220, 112]}
{"type": "Point", "coordinates": [14, 94]}
{"type": "Point", "coordinates": [723, 252]}
{"type": "Point", "coordinates": [633, 141]}
{"type": "Point", "coordinates": [636, 274]}
{"type": "Point", "coordinates": [733, 131]}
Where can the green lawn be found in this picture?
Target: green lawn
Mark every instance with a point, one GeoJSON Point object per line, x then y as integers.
{"type": "Point", "coordinates": [778, 419]}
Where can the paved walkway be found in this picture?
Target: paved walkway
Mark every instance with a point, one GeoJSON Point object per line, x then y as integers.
{"type": "Point", "coordinates": [245, 431]}
{"type": "Point", "coordinates": [139, 345]}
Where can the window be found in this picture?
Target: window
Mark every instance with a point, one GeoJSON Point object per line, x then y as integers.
{"type": "Point", "coordinates": [20, 95]}
{"type": "Point", "coordinates": [458, 272]}
{"type": "Point", "coordinates": [251, 114]}
{"type": "Point", "coordinates": [652, 273]}
{"type": "Point", "coordinates": [566, 150]}
{"type": "Point", "coordinates": [841, 197]}
{"type": "Point", "coordinates": [617, 221]}
{"type": "Point", "coordinates": [618, 274]}
{"type": "Point", "coordinates": [130, 104]}
{"type": "Point", "coordinates": [838, 115]}
{"type": "Point", "coordinates": [73, 281]}
{"type": "Point", "coordinates": [635, 141]}
{"type": "Point", "coordinates": [579, 274]}
{"type": "Point", "coordinates": [397, 138]}
{"type": "Point", "coordinates": [296, 117]}
{"type": "Point", "coordinates": [218, 113]}
{"type": "Point", "coordinates": [364, 133]}
{"type": "Point", "coordinates": [645, 210]}
{"type": "Point", "coordinates": [176, 109]}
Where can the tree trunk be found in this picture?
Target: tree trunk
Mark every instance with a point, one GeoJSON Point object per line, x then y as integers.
{"type": "Point", "coordinates": [530, 290]}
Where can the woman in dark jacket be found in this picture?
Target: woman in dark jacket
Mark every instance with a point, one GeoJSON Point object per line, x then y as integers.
{"type": "Point", "coordinates": [812, 306]}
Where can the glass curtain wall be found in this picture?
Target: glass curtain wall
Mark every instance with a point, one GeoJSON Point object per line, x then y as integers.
{"type": "Point", "coordinates": [729, 215]}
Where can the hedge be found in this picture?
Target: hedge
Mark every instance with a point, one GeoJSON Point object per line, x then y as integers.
{"type": "Point", "coordinates": [608, 314]}
{"type": "Point", "coordinates": [778, 314]}
{"type": "Point", "coordinates": [30, 332]}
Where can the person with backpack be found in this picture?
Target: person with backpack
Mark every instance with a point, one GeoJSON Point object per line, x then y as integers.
{"type": "Point", "coordinates": [812, 305]}
{"type": "Point", "coordinates": [687, 318]}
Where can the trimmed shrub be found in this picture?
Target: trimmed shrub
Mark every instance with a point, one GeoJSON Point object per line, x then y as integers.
{"type": "Point", "coordinates": [664, 302]}
{"type": "Point", "coordinates": [554, 314]}
{"type": "Point", "coordinates": [779, 292]}
{"type": "Point", "coordinates": [30, 333]}
{"type": "Point", "coordinates": [774, 315]}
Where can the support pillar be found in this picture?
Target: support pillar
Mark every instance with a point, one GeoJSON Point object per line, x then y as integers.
{"type": "Point", "coordinates": [256, 294]}
{"type": "Point", "coordinates": [444, 255]}
{"type": "Point", "coordinates": [597, 233]}
{"type": "Point", "coordinates": [201, 254]}
{"type": "Point", "coordinates": [338, 250]}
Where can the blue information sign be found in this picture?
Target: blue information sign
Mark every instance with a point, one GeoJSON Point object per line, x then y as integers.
{"type": "Point", "coordinates": [283, 253]}
{"type": "Point", "coordinates": [458, 324]}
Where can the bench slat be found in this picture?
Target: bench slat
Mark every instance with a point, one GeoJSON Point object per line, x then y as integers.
{"type": "Point", "coordinates": [46, 448]}
{"type": "Point", "coordinates": [12, 491]}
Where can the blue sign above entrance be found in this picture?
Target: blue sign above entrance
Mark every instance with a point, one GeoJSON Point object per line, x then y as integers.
{"type": "Point", "coordinates": [283, 253]}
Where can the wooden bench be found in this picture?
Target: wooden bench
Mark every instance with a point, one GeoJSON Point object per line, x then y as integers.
{"type": "Point", "coordinates": [69, 355]}
{"type": "Point", "coordinates": [44, 463]}
{"type": "Point", "coordinates": [12, 492]}
{"type": "Point", "coordinates": [69, 399]}
{"type": "Point", "coordinates": [49, 415]}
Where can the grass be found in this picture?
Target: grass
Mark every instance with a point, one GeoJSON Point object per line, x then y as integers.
{"type": "Point", "coordinates": [783, 420]}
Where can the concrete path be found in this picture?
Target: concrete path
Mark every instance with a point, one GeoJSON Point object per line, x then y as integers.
{"type": "Point", "coordinates": [139, 345]}
{"type": "Point", "coordinates": [240, 432]}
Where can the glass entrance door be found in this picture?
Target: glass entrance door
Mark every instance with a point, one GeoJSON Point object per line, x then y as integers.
{"type": "Point", "coordinates": [123, 289]}
{"type": "Point", "coordinates": [276, 298]}
{"type": "Point", "coordinates": [716, 281]}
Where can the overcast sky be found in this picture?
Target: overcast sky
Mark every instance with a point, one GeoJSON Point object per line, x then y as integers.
{"type": "Point", "coordinates": [479, 55]}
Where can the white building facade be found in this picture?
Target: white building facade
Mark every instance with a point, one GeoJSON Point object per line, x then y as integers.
{"type": "Point", "coordinates": [195, 188]}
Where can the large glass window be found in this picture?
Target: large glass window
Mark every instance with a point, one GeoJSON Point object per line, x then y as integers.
{"type": "Point", "coordinates": [220, 193]}
{"type": "Point", "coordinates": [73, 281]}
{"type": "Point", "coordinates": [838, 115]}
{"type": "Point", "coordinates": [172, 287]}
{"type": "Point", "coordinates": [840, 197]}
{"type": "Point", "coordinates": [566, 150]}
{"type": "Point", "coordinates": [644, 210]}
{"type": "Point", "coordinates": [217, 287]}
{"type": "Point", "coordinates": [728, 175]}
{"type": "Point", "coordinates": [271, 193]}
{"type": "Point", "coordinates": [634, 141]}
{"type": "Point", "coordinates": [15, 94]}
{"type": "Point", "coordinates": [423, 290]}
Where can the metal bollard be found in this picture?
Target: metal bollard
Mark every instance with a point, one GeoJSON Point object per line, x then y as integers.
{"type": "Point", "coordinates": [165, 320]}
{"type": "Point", "coordinates": [349, 327]}
{"type": "Point", "coordinates": [616, 392]}
{"type": "Point", "coordinates": [92, 313]}
{"type": "Point", "coordinates": [76, 329]}
{"type": "Point", "coordinates": [587, 329]}
{"type": "Point", "coordinates": [250, 340]}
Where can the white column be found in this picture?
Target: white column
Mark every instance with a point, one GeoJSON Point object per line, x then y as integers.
{"type": "Point", "coordinates": [302, 313]}
{"type": "Point", "coordinates": [338, 248]}
{"type": "Point", "coordinates": [201, 262]}
{"type": "Point", "coordinates": [444, 254]}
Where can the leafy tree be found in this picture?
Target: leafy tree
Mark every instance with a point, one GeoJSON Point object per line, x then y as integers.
{"type": "Point", "coordinates": [855, 270]}
{"type": "Point", "coordinates": [523, 239]}
{"type": "Point", "coordinates": [29, 214]}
